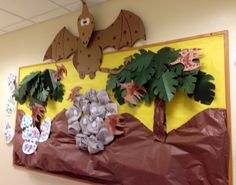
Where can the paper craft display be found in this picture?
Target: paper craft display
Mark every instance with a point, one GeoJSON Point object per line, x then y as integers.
{"type": "Point", "coordinates": [45, 129]}
{"type": "Point", "coordinates": [93, 120]}
{"type": "Point", "coordinates": [169, 157]}
{"type": "Point", "coordinates": [8, 133]}
{"type": "Point", "coordinates": [87, 49]}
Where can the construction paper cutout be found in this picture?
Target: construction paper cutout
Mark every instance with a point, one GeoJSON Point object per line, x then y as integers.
{"type": "Point", "coordinates": [27, 133]}
{"type": "Point", "coordinates": [113, 122]}
{"type": "Point", "coordinates": [187, 57]}
{"type": "Point", "coordinates": [38, 111]}
{"type": "Point", "coordinates": [38, 86]}
{"type": "Point", "coordinates": [45, 129]}
{"type": "Point", "coordinates": [85, 25]}
{"type": "Point", "coordinates": [74, 93]}
{"type": "Point", "coordinates": [31, 140]}
{"type": "Point", "coordinates": [88, 47]}
{"type": "Point", "coordinates": [10, 106]}
{"type": "Point", "coordinates": [29, 146]}
{"type": "Point", "coordinates": [26, 121]}
{"type": "Point", "coordinates": [59, 74]}
{"type": "Point", "coordinates": [11, 103]}
{"type": "Point", "coordinates": [11, 82]}
{"type": "Point", "coordinates": [8, 133]}
{"type": "Point", "coordinates": [133, 92]}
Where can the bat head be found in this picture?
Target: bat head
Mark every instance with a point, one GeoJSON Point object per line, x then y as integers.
{"type": "Point", "coordinates": [85, 25]}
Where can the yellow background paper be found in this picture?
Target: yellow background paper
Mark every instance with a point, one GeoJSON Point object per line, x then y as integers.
{"type": "Point", "coordinates": [178, 111]}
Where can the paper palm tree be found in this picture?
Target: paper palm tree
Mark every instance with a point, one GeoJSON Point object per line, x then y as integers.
{"type": "Point", "coordinates": [159, 76]}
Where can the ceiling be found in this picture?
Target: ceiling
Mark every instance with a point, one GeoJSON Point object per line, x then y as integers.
{"type": "Point", "coordinates": [17, 14]}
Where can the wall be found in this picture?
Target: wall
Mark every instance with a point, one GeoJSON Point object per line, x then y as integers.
{"type": "Point", "coordinates": [164, 20]}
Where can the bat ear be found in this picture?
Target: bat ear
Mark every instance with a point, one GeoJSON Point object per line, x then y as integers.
{"type": "Point", "coordinates": [85, 25]}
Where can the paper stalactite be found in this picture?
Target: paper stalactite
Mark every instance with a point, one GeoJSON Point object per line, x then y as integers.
{"type": "Point", "coordinates": [8, 133]}
{"type": "Point", "coordinates": [87, 49]}
{"type": "Point", "coordinates": [93, 120]}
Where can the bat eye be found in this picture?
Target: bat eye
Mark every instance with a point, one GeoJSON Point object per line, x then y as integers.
{"type": "Point", "coordinates": [85, 22]}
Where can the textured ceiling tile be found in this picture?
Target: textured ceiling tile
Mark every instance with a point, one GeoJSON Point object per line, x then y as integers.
{"type": "Point", "coordinates": [17, 26]}
{"type": "Point", "coordinates": [50, 15]}
{"type": "Point", "coordinates": [27, 8]}
{"type": "Point", "coordinates": [7, 19]}
{"type": "Point", "coordinates": [78, 5]}
{"type": "Point", "coordinates": [65, 2]}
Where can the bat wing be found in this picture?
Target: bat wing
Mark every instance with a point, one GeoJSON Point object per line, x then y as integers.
{"type": "Point", "coordinates": [124, 32]}
{"type": "Point", "coordinates": [63, 46]}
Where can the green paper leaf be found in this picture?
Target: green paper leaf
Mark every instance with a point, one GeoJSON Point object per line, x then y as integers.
{"type": "Point", "coordinates": [162, 60]}
{"type": "Point", "coordinates": [124, 76]}
{"type": "Point", "coordinates": [112, 82]}
{"type": "Point", "coordinates": [35, 87]}
{"type": "Point", "coordinates": [204, 90]}
{"type": "Point", "coordinates": [165, 86]}
{"type": "Point", "coordinates": [118, 92]}
{"type": "Point", "coordinates": [187, 84]}
{"type": "Point", "coordinates": [58, 92]}
{"type": "Point", "coordinates": [167, 55]}
{"type": "Point", "coordinates": [178, 69]}
{"type": "Point", "coordinates": [144, 76]}
{"type": "Point", "coordinates": [20, 94]}
{"type": "Point", "coordinates": [141, 61]}
{"type": "Point", "coordinates": [43, 96]}
{"type": "Point", "coordinates": [27, 79]}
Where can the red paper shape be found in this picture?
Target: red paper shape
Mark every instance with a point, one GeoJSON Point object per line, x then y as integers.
{"type": "Point", "coordinates": [187, 57]}
{"type": "Point", "coordinates": [133, 91]}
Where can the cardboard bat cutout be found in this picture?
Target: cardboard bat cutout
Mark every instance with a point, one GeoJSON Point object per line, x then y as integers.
{"type": "Point", "coordinates": [87, 49]}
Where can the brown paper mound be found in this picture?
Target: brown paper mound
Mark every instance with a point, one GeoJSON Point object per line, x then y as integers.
{"type": "Point", "coordinates": [194, 154]}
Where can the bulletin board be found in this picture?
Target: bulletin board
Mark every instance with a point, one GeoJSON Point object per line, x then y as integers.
{"type": "Point", "coordinates": [180, 109]}
{"type": "Point", "coordinates": [215, 62]}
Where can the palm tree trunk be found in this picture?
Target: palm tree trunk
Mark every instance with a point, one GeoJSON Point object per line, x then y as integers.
{"type": "Point", "coordinates": [159, 126]}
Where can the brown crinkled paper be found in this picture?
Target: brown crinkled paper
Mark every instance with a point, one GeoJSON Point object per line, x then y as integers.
{"type": "Point", "coordinates": [194, 154]}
